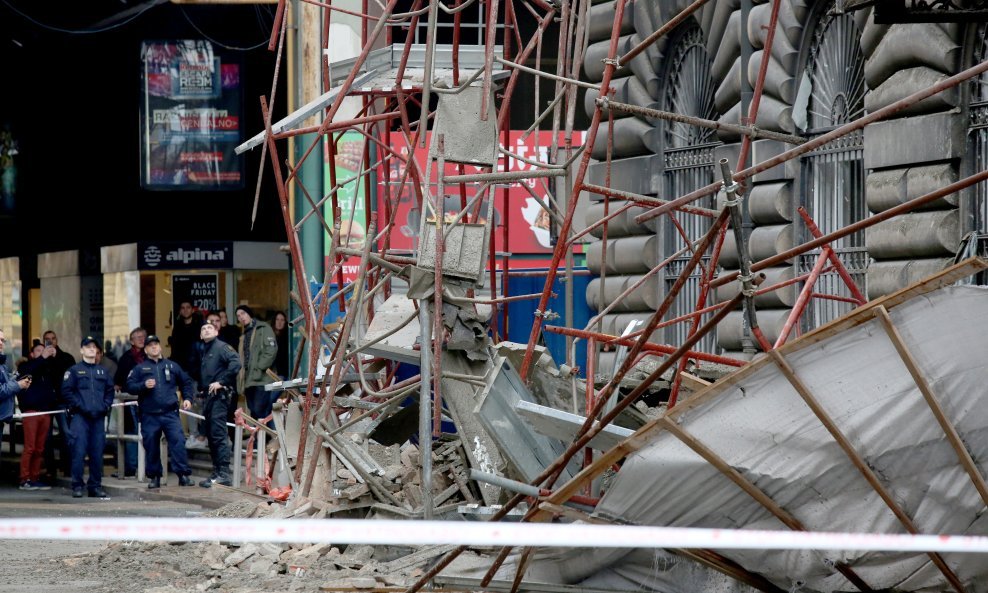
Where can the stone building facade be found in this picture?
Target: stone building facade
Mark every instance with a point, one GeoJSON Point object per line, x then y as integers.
{"type": "Point", "coordinates": [826, 68]}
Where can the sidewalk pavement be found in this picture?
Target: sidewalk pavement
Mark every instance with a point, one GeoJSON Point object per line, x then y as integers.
{"type": "Point", "coordinates": [209, 498]}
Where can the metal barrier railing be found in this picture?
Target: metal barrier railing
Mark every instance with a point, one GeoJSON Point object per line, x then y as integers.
{"type": "Point", "coordinates": [123, 401]}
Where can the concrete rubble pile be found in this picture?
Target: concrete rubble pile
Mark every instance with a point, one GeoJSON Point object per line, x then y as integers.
{"type": "Point", "coordinates": [241, 567]}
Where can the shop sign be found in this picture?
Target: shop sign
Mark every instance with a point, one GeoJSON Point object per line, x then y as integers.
{"type": "Point", "coordinates": [186, 255]}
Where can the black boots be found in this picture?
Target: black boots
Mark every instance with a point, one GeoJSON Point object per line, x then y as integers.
{"type": "Point", "coordinates": [185, 481]}
{"type": "Point", "coordinates": [97, 492]}
{"type": "Point", "coordinates": [222, 479]}
{"type": "Point", "coordinates": [154, 483]}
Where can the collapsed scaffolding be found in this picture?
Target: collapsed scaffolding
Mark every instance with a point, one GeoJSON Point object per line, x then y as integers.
{"type": "Point", "coordinates": [456, 285]}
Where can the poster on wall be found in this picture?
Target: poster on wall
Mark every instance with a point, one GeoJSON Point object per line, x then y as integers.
{"type": "Point", "coordinates": [350, 197]}
{"type": "Point", "coordinates": [528, 223]}
{"type": "Point", "coordinates": [190, 113]}
{"type": "Point", "coordinates": [202, 290]}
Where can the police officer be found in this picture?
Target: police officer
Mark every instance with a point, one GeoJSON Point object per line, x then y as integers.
{"type": "Point", "coordinates": [88, 391]}
{"type": "Point", "coordinates": [219, 364]}
{"type": "Point", "coordinates": [156, 382]}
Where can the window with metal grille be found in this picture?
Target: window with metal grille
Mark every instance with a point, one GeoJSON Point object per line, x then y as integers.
{"type": "Point", "coordinates": [689, 165]}
{"type": "Point", "coordinates": [832, 176]}
{"type": "Point", "coordinates": [978, 130]}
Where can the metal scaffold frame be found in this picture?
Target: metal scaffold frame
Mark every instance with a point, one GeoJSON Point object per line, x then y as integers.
{"type": "Point", "coordinates": [388, 109]}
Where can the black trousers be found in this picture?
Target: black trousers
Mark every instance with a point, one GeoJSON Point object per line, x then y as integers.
{"type": "Point", "coordinates": [215, 411]}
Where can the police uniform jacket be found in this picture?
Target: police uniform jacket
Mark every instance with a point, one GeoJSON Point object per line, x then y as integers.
{"type": "Point", "coordinates": [163, 397]}
{"type": "Point", "coordinates": [219, 362]}
{"type": "Point", "coordinates": [87, 389]}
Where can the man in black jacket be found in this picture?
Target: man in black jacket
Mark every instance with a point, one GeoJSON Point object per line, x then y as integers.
{"type": "Point", "coordinates": [219, 364]}
{"type": "Point", "coordinates": [57, 361]}
{"type": "Point", "coordinates": [87, 389]}
{"type": "Point", "coordinates": [156, 382]}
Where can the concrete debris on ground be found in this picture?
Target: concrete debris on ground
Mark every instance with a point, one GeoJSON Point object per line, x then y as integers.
{"type": "Point", "coordinates": [248, 567]}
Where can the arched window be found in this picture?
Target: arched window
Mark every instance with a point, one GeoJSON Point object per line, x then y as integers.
{"type": "Point", "coordinates": [832, 176]}
{"type": "Point", "coordinates": [978, 129]}
{"type": "Point", "coordinates": [689, 165]}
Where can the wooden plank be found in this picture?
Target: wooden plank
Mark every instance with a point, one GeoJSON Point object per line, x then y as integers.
{"type": "Point", "coordinates": [963, 455]}
{"type": "Point", "coordinates": [858, 462]}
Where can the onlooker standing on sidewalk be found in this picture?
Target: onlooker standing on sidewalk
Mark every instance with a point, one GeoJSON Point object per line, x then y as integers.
{"type": "Point", "coordinates": [228, 333]}
{"type": "Point", "coordinates": [87, 388]}
{"type": "Point", "coordinates": [185, 333]}
{"type": "Point", "coordinates": [185, 336]}
{"type": "Point", "coordinates": [8, 386]}
{"type": "Point", "coordinates": [258, 349]}
{"type": "Point", "coordinates": [59, 361]}
{"type": "Point", "coordinates": [156, 382]}
{"type": "Point", "coordinates": [39, 397]}
{"type": "Point", "coordinates": [200, 439]}
{"type": "Point", "coordinates": [128, 360]}
{"type": "Point", "coordinates": [218, 369]}
{"type": "Point", "coordinates": [279, 323]}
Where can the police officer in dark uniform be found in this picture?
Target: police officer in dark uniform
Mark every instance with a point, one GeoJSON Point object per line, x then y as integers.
{"type": "Point", "coordinates": [156, 382]}
{"type": "Point", "coordinates": [88, 391]}
{"type": "Point", "coordinates": [219, 364]}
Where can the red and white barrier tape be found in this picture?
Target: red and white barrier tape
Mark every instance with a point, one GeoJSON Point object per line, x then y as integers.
{"type": "Point", "coordinates": [29, 414]}
{"type": "Point", "coordinates": [355, 531]}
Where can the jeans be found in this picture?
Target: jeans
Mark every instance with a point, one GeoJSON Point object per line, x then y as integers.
{"type": "Point", "coordinates": [35, 433]}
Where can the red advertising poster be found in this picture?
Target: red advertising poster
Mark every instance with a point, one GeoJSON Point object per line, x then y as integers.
{"type": "Point", "coordinates": [528, 224]}
{"type": "Point", "coordinates": [190, 117]}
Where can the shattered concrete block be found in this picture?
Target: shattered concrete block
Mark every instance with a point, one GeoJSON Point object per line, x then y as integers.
{"type": "Point", "coordinates": [270, 550]}
{"type": "Point", "coordinates": [207, 585]}
{"type": "Point", "coordinates": [355, 556]}
{"type": "Point", "coordinates": [391, 472]}
{"type": "Point", "coordinates": [413, 494]}
{"type": "Point", "coordinates": [242, 553]}
{"type": "Point", "coordinates": [356, 491]}
{"type": "Point", "coordinates": [363, 582]}
{"type": "Point", "coordinates": [345, 474]}
{"type": "Point", "coordinates": [306, 555]}
{"type": "Point", "coordinates": [213, 555]}
{"type": "Point", "coordinates": [410, 456]}
{"type": "Point", "coordinates": [262, 566]}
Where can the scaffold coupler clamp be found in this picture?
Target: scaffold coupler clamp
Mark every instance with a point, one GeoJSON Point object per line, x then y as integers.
{"type": "Point", "coordinates": [733, 197]}
{"type": "Point", "coordinates": [548, 314]}
{"type": "Point", "coordinates": [747, 284]}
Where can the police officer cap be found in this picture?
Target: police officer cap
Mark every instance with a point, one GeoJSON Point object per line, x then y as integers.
{"type": "Point", "coordinates": [88, 340]}
{"type": "Point", "coordinates": [151, 338]}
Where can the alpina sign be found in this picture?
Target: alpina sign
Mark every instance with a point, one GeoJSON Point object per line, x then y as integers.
{"type": "Point", "coordinates": [169, 255]}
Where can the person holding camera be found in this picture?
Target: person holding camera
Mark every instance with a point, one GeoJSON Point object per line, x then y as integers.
{"type": "Point", "coordinates": [219, 365]}
{"type": "Point", "coordinates": [57, 361]}
{"type": "Point", "coordinates": [87, 389]}
{"type": "Point", "coordinates": [39, 397]}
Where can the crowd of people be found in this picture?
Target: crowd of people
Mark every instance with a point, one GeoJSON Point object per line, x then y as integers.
{"type": "Point", "coordinates": [212, 363]}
